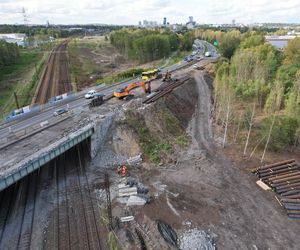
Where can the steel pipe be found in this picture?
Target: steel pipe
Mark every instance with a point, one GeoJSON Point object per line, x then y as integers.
{"type": "Point", "coordinates": [277, 164]}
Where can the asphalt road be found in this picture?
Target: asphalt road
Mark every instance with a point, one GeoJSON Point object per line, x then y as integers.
{"type": "Point", "coordinates": [47, 114]}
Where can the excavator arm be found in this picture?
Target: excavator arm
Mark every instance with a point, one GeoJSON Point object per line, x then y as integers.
{"type": "Point", "coordinates": [125, 92]}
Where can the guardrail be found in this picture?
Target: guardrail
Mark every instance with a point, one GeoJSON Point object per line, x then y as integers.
{"type": "Point", "coordinates": [73, 96]}
{"type": "Point", "coordinates": [32, 164]}
{"type": "Point", "coordinates": [18, 135]}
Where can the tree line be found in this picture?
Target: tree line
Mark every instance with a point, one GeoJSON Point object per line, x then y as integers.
{"type": "Point", "coordinates": [257, 90]}
{"type": "Point", "coordinates": [9, 53]}
{"type": "Point", "coordinates": [147, 45]}
{"type": "Point", "coordinates": [57, 31]}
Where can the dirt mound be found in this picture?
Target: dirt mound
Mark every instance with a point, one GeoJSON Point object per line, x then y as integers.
{"type": "Point", "coordinates": [158, 131]}
{"type": "Point", "coordinates": [182, 102]}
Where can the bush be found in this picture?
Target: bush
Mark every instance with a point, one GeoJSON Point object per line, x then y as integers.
{"type": "Point", "coordinates": [283, 132]}
{"type": "Point", "coordinates": [151, 146]}
{"type": "Point", "coordinates": [9, 53]}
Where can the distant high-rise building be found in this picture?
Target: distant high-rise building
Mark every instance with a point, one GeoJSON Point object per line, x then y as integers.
{"type": "Point", "coordinates": [190, 24]}
{"type": "Point", "coordinates": [165, 21]}
{"type": "Point", "coordinates": [233, 22]}
{"type": "Point", "coordinates": [140, 23]}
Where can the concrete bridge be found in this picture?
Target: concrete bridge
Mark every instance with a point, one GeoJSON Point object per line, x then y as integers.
{"type": "Point", "coordinates": [22, 158]}
{"type": "Point", "coordinates": [37, 140]}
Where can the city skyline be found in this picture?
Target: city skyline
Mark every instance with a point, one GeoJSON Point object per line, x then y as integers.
{"type": "Point", "coordinates": [131, 12]}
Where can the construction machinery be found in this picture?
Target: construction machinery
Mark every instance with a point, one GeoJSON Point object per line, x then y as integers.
{"type": "Point", "coordinates": [167, 77]}
{"type": "Point", "coordinates": [151, 74]}
{"type": "Point", "coordinates": [125, 92]}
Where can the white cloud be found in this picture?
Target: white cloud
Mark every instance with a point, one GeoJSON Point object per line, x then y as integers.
{"type": "Point", "coordinates": [132, 11]}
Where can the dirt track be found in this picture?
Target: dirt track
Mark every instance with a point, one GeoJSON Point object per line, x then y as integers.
{"type": "Point", "coordinates": [203, 188]}
{"type": "Point", "coordinates": [216, 196]}
{"type": "Point", "coordinates": [56, 78]}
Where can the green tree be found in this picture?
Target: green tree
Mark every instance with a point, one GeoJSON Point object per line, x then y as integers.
{"type": "Point", "coordinates": [292, 107]}
{"type": "Point", "coordinates": [282, 134]}
{"type": "Point", "coordinates": [230, 43]}
{"type": "Point", "coordinates": [292, 52]}
{"type": "Point", "coordinates": [252, 41]}
{"type": "Point", "coordinates": [187, 41]}
{"type": "Point", "coordinates": [9, 53]}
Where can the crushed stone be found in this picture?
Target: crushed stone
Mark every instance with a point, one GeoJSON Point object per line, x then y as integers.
{"type": "Point", "coordinates": [194, 239]}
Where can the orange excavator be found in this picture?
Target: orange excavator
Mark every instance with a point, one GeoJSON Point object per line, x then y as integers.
{"type": "Point", "coordinates": [125, 92]}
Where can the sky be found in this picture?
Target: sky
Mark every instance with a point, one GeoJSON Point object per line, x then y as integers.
{"type": "Point", "coordinates": [129, 12]}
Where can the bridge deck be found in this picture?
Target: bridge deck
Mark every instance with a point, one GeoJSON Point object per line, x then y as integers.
{"type": "Point", "coordinates": [20, 159]}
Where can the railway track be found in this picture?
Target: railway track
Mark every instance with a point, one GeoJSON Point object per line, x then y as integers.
{"type": "Point", "coordinates": [53, 208]}
{"type": "Point", "coordinates": [56, 78]}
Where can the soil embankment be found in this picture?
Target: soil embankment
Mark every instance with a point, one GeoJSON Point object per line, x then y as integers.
{"type": "Point", "coordinates": [203, 187]}
{"type": "Point", "coordinates": [193, 185]}
{"type": "Point", "coordinates": [220, 197]}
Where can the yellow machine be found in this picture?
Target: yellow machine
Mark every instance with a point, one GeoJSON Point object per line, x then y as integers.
{"type": "Point", "coordinates": [167, 77]}
{"type": "Point", "coordinates": [151, 74]}
{"type": "Point", "coordinates": [122, 93]}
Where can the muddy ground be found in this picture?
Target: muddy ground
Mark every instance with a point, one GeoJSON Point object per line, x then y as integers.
{"type": "Point", "coordinates": [197, 185]}
{"type": "Point", "coordinates": [204, 189]}
{"type": "Point", "coordinates": [94, 58]}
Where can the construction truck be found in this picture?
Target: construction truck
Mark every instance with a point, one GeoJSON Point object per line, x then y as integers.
{"type": "Point", "coordinates": [151, 75]}
{"type": "Point", "coordinates": [125, 92]}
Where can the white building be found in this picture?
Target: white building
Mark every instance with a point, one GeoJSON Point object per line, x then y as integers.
{"type": "Point", "coordinates": [17, 38]}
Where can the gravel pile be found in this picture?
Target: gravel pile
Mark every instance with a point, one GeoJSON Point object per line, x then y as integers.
{"type": "Point", "coordinates": [194, 239]}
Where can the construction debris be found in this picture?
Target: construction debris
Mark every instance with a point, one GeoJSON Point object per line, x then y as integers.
{"type": "Point", "coordinates": [284, 178]}
{"type": "Point", "coordinates": [141, 239]}
{"type": "Point", "coordinates": [263, 185]}
{"type": "Point", "coordinates": [97, 101]}
{"type": "Point", "coordinates": [195, 239]}
{"type": "Point", "coordinates": [167, 232]}
{"type": "Point", "coordinates": [135, 200]}
{"type": "Point", "coordinates": [135, 160]}
{"type": "Point", "coordinates": [166, 88]}
{"type": "Point", "coordinates": [127, 218]}
{"type": "Point", "coordinates": [127, 191]}
{"type": "Point", "coordinates": [141, 189]}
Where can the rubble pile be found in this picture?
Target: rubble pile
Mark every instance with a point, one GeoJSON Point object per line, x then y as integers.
{"type": "Point", "coordinates": [195, 239]}
{"type": "Point", "coordinates": [135, 192]}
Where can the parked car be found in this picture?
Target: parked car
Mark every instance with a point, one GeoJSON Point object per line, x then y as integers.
{"type": "Point", "coordinates": [59, 111]}
{"type": "Point", "coordinates": [90, 94]}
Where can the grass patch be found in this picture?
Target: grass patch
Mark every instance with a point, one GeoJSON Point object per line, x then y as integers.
{"type": "Point", "coordinates": [21, 65]}
{"type": "Point", "coordinates": [81, 66]}
{"type": "Point", "coordinates": [177, 57]}
{"type": "Point", "coordinates": [75, 65]}
{"type": "Point", "coordinates": [151, 145]}
{"type": "Point", "coordinates": [112, 241]}
{"type": "Point", "coordinates": [182, 140]}
{"type": "Point", "coordinates": [22, 78]}
{"type": "Point", "coordinates": [169, 122]}
{"type": "Point", "coordinates": [122, 76]}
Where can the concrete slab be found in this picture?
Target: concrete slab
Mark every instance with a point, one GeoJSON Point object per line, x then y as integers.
{"type": "Point", "coordinates": [127, 191]}
{"type": "Point", "coordinates": [136, 201]}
